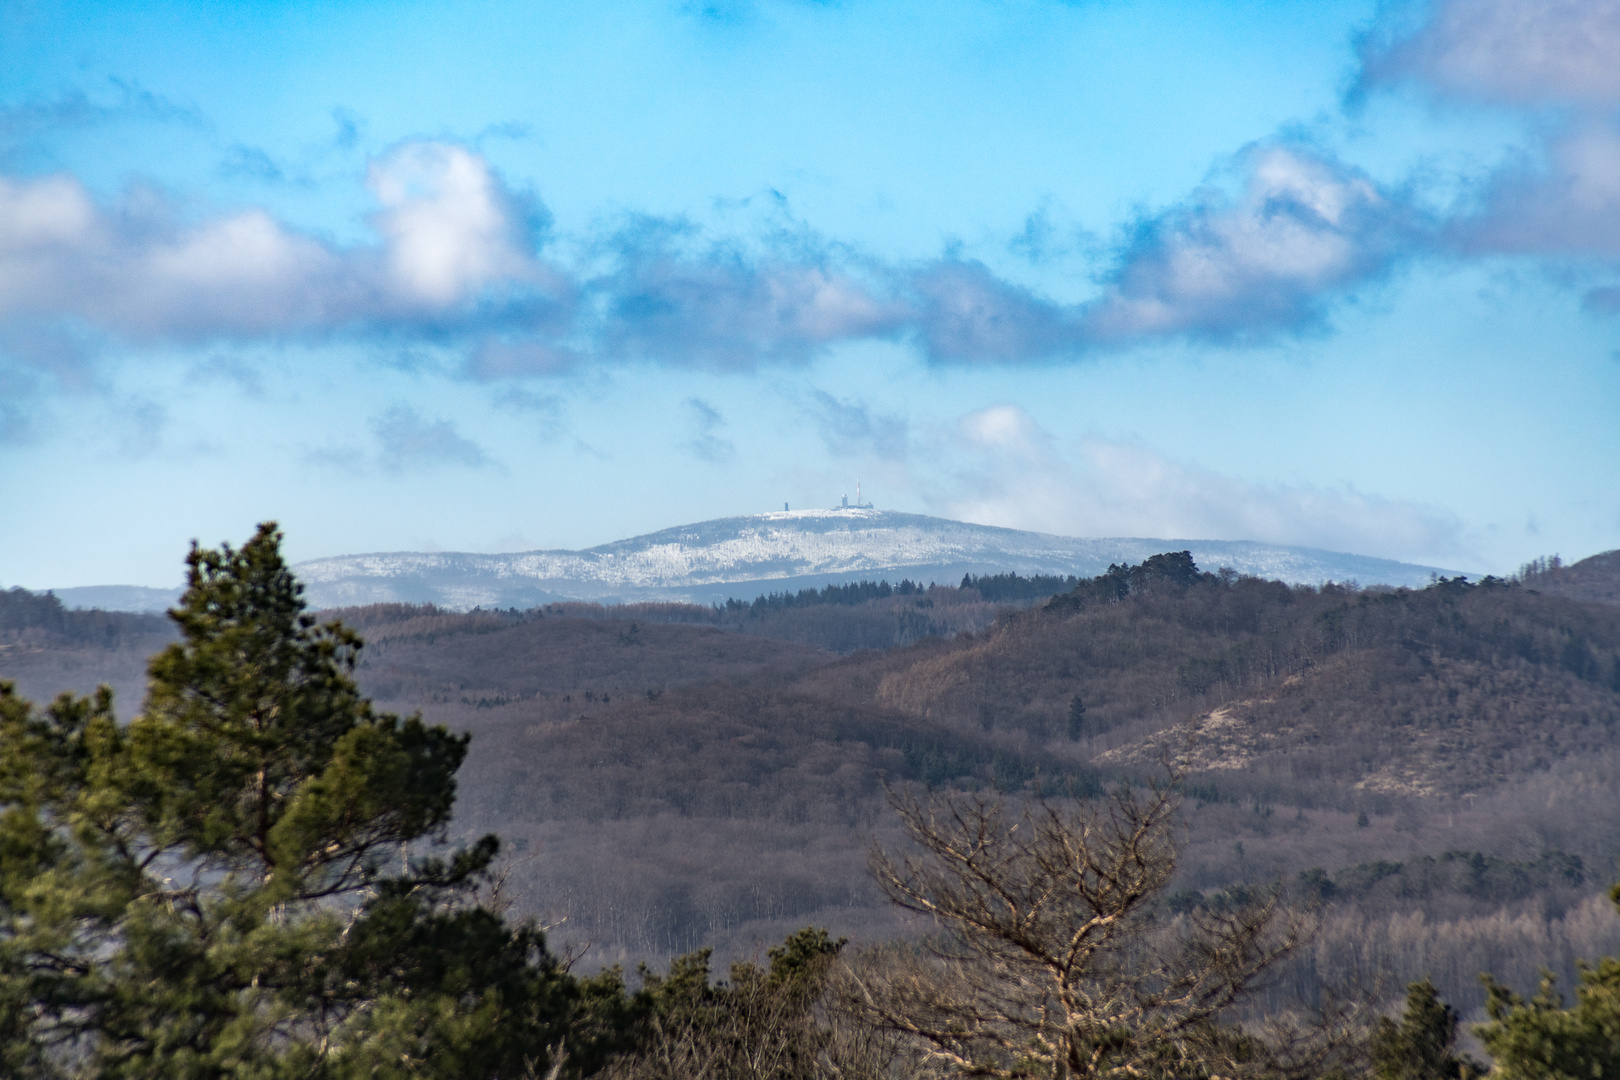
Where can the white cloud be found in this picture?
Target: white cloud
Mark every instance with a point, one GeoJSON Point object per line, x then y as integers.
{"type": "Point", "coordinates": [1006, 429]}
{"type": "Point", "coordinates": [139, 270]}
{"type": "Point", "coordinates": [1515, 51]}
{"type": "Point", "coordinates": [133, 270]}
{"type": "Point", "coordinates": [1011, 472]}
{"type": "Point", "coordinates": [1303, 227]}
{"type": "Point", "coordinates": [450, 228]}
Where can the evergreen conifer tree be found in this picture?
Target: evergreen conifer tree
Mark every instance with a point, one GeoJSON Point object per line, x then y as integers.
{"type": "Point", "coordinates": [1422, 1044]}
{"type": "Point", "coordinates": [221, 888]}
{"type": "Point", "coordinates": [1543, 1039]}
{"type": "Point", "coordinates": [1077, 718]}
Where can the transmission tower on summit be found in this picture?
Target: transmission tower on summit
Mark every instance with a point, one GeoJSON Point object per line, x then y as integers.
{"type": "Point", "coordinates": [858, 504]}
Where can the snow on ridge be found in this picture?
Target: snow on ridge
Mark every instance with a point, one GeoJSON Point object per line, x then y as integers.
{"type": "Point", "coordinates": [763, 546]}
{"type": "Point", "coordinates": [793, 545]}
{"type": "Point", "coordinates": [709, 561]}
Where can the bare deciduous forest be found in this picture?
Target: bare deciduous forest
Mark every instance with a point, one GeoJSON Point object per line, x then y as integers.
{"type": "Point", "coordinates": [1434, 769]}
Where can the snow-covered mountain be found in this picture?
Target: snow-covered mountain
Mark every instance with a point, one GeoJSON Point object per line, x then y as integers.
{"type": "Point", "coordinates": [745, 556]}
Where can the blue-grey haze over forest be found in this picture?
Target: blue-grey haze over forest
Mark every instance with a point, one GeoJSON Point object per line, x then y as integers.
{"type": "Point", "coordinates": [508, 277]}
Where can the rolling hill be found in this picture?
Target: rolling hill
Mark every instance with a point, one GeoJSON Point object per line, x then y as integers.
{"type": "Point", "coordinates": [1439, 762]}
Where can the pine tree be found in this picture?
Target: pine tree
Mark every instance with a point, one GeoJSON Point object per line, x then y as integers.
{"type": "Point", "coordinates": [221, 887]}
{"type": "Point", "coordinates": [1422, 1045]}
{"type": "Point", "coordinates": [1077, 718]}
{"type": "Point", "coordinates": [1542, 1039]}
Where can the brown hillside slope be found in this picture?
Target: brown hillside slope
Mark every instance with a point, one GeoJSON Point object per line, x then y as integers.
{"type": "Point", "coordinates": [1456, 718]}
{"type": "Point", "coordinates": [1457, 688]}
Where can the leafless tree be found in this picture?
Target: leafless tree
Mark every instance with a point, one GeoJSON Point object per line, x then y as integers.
{"type": "Point", "coordinates": [1054, 955]}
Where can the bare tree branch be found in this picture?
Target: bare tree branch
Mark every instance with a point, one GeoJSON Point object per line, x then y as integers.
{"type": "Point", "coordinates": [1053, 956]}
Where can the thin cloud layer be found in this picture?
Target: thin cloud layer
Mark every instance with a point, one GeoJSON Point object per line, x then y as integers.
{"type": "Point", "coordinates": [1604, 300]}
{"type": "Point", "coordinates": [855, 429]}
{"type": "Point", "coordinates": [706, 424]}
{"type": "Point", "coordinates": [1014, 474]}
{"type": "Point", "coordinates": [726, 311]}
{"type": "Point", "coordinates": [1522, 52]}
{"type": "Point", "coordinates": [1568, 205]}
{"type": "Point", "coordinates": [407, 441]}
{"type": "Point", "coordinates": [73, 109]}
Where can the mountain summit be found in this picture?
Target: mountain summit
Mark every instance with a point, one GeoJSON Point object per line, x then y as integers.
{"type": "Point", "coordinates": [788, 550]}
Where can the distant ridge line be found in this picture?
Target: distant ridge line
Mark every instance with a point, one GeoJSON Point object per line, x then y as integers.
{"type": "Point", "coordinates": [744, 556]}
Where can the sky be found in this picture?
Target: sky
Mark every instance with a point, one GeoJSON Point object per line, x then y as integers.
{"type": "Point", "coordinates": [500, 275]}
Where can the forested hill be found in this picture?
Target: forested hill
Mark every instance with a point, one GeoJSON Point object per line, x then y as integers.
{"type": "Point", "coordinates": [694, 776]}
{"type": "Point", "coordinates": [722, 790]}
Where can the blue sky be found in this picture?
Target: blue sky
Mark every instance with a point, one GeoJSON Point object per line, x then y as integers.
{"type": "Point", "coordinates": [503, 276]}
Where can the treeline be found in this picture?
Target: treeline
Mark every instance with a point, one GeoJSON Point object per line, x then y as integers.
{"type": "Point", "coordinates": [857, 592]}
{"type": "Point", "coordinates": [1011, 588]}
{"type": "Point", "coordinates": [24, 613]}
{"type": "Point", "coordinates": [1596, 578]}
{"type": "Point", "coordinates": [996, 588]}
{"type": "Point", "coordinates": [1391, 884]}
{"type": "Point", "coordinates": [839, 618]}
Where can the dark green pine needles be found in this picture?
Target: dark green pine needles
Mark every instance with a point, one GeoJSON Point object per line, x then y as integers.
{"type": "Point", "coordinates": [221, 888]}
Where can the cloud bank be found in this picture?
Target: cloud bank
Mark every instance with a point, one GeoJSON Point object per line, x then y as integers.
{"type": "Point", "coordinates": [139, 270]}
{"type": "Point", "coordinates": [457, 257]}
{"type": "Point", "coordinates": [1011, 472]}
{"type": "Point", "coordinates": [1281, 233]}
